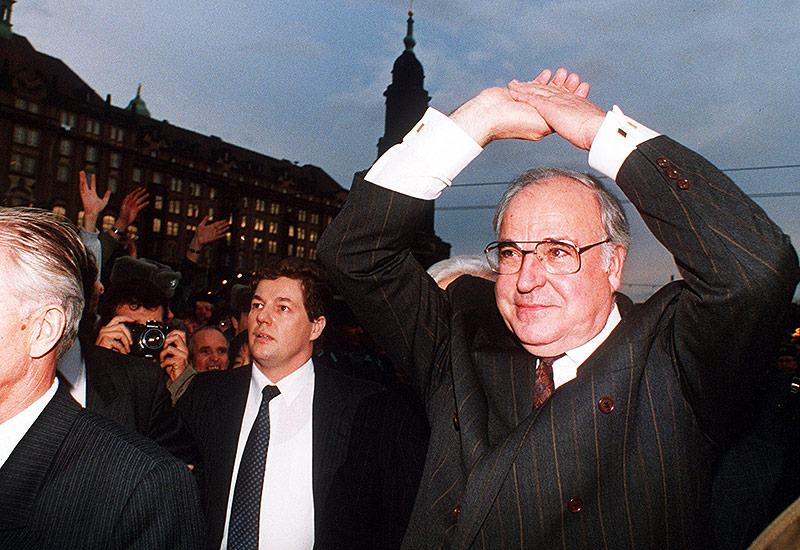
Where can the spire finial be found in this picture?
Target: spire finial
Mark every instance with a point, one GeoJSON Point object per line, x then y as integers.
{"type": "Point", "coordinates": [409, 39]}
{"type": "Point", "coordinates": [139, 90]}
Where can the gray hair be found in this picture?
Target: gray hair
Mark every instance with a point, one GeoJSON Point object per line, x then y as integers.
{"type": "Point", "coordinates": [612, 216]}
{"type": "Point", "coordinates": [49, 264]}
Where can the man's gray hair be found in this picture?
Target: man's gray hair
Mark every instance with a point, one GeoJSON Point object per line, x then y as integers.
{"type": "Point", "coordinates": [48, 263]}
{"type": "Point", "coordinates": [612, 216]}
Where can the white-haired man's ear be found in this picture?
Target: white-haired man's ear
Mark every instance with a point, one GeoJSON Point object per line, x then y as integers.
{"type": "Point", "coordinates": [47, 326]}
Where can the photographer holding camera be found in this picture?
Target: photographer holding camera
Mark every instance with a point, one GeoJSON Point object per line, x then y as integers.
{"type": "Point", "coordinates": [134, 312]}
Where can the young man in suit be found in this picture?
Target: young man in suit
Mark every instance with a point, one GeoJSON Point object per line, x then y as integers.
{"type": "Point", "coordinates": [559, 417]}
{"type": "Point", "coordinates": [309, 414]}
{"type": "Point", "coordinates": [70, 478]}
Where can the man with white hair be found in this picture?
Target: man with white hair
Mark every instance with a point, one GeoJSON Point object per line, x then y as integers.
{"type": "Point", "coordinates": [70, 478]}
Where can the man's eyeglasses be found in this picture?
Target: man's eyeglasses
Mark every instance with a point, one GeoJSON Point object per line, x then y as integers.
{"type": "Point", "coordinates": [557, 257]}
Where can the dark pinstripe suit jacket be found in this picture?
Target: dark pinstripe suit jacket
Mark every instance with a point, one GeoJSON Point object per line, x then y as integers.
{"type": "Point", "coordinates": [78, 480]}
{"type": "Point", "coordinates": [213, 408]}
{"type": "Point", "coordinates": [619, 457]}
{"type": "Point", "coordinates": [131, 391]}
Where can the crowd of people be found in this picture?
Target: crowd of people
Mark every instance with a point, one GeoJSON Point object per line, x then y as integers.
{"type": "Point", "coordinates": [513, 399]}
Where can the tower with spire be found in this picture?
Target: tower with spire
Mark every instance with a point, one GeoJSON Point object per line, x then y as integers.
{"type": "Point", "coordinates": [406, 102]}
{"type": "Point", "coordinates": [406, 98]}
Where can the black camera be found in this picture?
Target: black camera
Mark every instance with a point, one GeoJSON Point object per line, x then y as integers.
{"type": "Point", "coordinates": [148, 339]}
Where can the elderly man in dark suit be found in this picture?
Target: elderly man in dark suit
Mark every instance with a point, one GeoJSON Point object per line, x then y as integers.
{"type": "Point", "coordinates": [559, 418]}
{"type": "Point", "coordinates": [268, 487]}
{"type": "Point", "coordinates": [70, 478]}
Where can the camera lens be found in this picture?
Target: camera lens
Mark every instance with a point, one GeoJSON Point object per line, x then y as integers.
{"type": "Point", "coordinates": [153, 339]}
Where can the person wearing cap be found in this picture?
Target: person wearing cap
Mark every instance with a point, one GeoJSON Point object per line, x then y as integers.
{"type": "Point", "coordinates": [139, 293]}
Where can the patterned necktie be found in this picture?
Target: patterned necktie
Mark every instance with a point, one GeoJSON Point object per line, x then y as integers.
{"type": "Point", "coordinates": [544, 385]}
{"type": "Point", "coordinates": [246, 507]}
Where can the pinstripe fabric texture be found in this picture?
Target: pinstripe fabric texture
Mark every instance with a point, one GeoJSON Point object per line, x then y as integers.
{"type": "Point", "coordinates": [78, 480]}
{"type": "Point", "coordinates": [621, 456]}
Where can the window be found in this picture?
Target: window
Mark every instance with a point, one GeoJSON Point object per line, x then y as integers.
{"type": "Point", "coordinates": [174, 207]}
{"type": "Point", "coordinates": [301, 251]}
{"type": "Point", "coordinates": [301, 215]}
{"type": "Point", "coordinates": [113, 183]}
{"type": "Point", "coordinates": [26, 105]}
{"type": "Point", "coordinates": [290, 232]}
{"type": "Point", "coordinates": [117, 134]}
{"type": "Point", "coordinates": [312, 254]}
{"type": "Point", "coordinates": [274, 208]}
{"type": "Point", "coordinates": [245, 202]}
{"type": "Point", "coordinates": [108, 221]}
{"type": "Point", "coordinates": [261, 205]}
{"type": "Point", "coordinates": [301, 233]}
{"type": "Point", "coordinates": [60, 211]}
{"type": "Point", "coordinates": [272, 247]}
{"type": "Point", "coordinates": [212, 193]}
{"type": "Point", "coordinates": [158, 202]}
{"type": "Point", "coordinates": [312, 236]}
{"type": "Point", "coordinates": [315, 219]}
{"type": "Point", "coordinates": [193, 210]}
{"type": "Point", "coordinates": [62, 173]}
{"type": "Point", "coordinates": [93, 127]}
{"type": "Point", "coordinates": [290, 250]}
{"type": "Point", "coordinates": [258, 224]}
{"type": "Point", "coordinates": [157, 177]}
{"type": "Point", "coordinates": [210, 213]}
{"type": "Point", "coordinates": [243, 222]}
{"type": "Point", "coordinates": [66, 148]}
{"type": "Point", "coordinates": [92, 154]}
{"type": "Point", "coordinates": [156, 225]}
{"type": "Point", "coordinates": [137, 175]}
{"type": "Point", "coordinates": [273, 228]}
{"type": "Point", "coordinates": [176, 184]}
{"type": "Point", "coordinates": [114, 160]}
{"type": "Point", "coordinates": [172, 229]}
{"type": "Point", "coordinates": [26, 136]}
{"type": "Point", "coordinates": [194, 189]}
{"type": "Point", "coordinates": [68, 120]}
{"type": "Point", "coordinates": [258, 244]}
{"type": "Point", "coordinates": [23, 164]}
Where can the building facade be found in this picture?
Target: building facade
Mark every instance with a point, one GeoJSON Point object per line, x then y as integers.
{"type": "Point", "coordinates": [53, 125]}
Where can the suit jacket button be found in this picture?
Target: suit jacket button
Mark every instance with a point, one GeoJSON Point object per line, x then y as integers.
{"type": "Point", "coordinates": [456, 512]}
{"type": "Point", "coordinates": [455, 421]}
{"type": "Point", "coordinates": [672, 174]}
{"type": "Point", "coordinates": [683, 183]}
{"type": "Point", "coordinates": [606, 405]}
{"type": "Point", "coordinates": [662, 162]}
{"type": "Point", "coordinates": [575, 505]}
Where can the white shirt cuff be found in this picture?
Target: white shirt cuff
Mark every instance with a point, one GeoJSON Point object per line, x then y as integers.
{"type": "Point", "coordinates": [431, 155]}
{"type": "Point", "coordinates": [618, 137]}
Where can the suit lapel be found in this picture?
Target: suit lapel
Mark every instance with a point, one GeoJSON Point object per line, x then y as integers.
{"type": "Point", "coordinates": [23, 474]}
{"type": "Point", "coordinates": [326, 439]}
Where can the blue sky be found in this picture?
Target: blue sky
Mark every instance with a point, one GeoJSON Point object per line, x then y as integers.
{"type": "Point", "coordinates": [305, 81]}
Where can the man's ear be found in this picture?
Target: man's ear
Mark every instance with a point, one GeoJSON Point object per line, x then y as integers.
{"type": "Point", "coordinates": [615, 267]}
{"type": "Point", "coordinates": [318, 327]}
{"type": "Point", "coordinates": [48, 327]}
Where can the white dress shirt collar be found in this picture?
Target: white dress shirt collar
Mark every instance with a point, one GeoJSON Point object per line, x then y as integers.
{"type": "Point", "coordinates": [14, 429]}
{"type": "Point", "coordinates": [566, 368]}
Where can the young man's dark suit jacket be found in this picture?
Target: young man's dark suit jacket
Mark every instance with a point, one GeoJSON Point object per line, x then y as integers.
{"type": "Point", "coordinates": [618, 457]}
{"type": "Point", "coordinates": [213, 408]}
{"type": "Point", "coordinates": [131, 391]}
{"type": "Point", "coordinates": [79, 480]}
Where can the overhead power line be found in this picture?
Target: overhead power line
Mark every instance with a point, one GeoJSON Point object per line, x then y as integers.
{"type": "Point", "coordinates": [751, 195]}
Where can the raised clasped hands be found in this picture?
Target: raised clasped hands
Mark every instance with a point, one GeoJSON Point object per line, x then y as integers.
{"type": "Point", "coordinates": [552, 102]}
{"type": "Point", "coordinates": [561, 102]}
